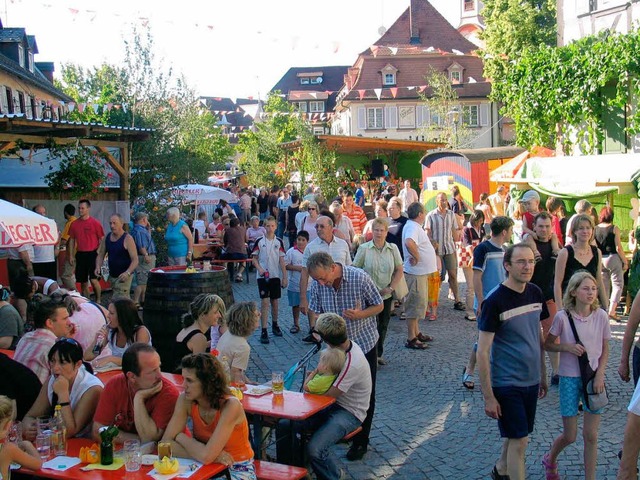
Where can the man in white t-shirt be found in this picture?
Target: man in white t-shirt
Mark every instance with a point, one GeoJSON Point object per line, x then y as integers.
{"type": "Point", "coordinates": [419, 262]}
{"type": "Point", "coordinates": [351, 389]}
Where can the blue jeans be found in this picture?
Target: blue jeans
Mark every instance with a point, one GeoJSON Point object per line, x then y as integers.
{"type": "Point", "coordinates": [329, 427]}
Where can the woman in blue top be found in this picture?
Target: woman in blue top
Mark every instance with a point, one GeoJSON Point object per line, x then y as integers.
{"type": "Point", "coordinates": [179, 239]}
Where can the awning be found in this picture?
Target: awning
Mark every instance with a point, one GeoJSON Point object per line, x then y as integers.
{"type": "Point", "coordinates": [581, 176]}
{"type": "Point", "coordinates": [19, 226]}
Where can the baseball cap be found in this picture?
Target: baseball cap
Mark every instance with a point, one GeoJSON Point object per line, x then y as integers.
{"type": "Point", "coordinates": [529, 195]}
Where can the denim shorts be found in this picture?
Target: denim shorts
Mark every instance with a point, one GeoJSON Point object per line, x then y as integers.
{"type": "Point", "coordinates": [570, 396]}
{"type": "Point", "coordinates": [518, 406]}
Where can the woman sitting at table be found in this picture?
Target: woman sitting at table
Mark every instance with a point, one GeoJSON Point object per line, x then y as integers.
{"type": "Point", "coordinates": [71, 386]}
{"type": "Point", "coordinates": [123, 330]}
{"type": "Point", "coordinates": [254, 232]}
{"type": "Point", "coordinates": [205, 312]}
{"type": "Point", "coordinates": [220, 428]}
{"type": "Point", "coordinates": [22, 453]}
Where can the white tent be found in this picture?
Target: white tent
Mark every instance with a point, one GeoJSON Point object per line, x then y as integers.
{"type": "Point", "coordinates": [203, 194]}
{"type": "Point", "coordinates": [19, 226]}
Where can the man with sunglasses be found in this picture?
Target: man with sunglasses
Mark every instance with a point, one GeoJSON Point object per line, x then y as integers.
{"type": "Point", "coordinates": [51, 321]}
{"type": "Point", "coordinates": [511, 358]}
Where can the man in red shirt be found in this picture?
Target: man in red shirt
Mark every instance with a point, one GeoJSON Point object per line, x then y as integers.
{"type": "Point", "coordinates": [354, 212]}
{"type": "Point", "coordinates": [85, 235]}
{"type": "Point", "coordinates": [140, 402]}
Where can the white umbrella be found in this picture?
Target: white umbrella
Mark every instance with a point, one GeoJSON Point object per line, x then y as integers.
{"type": "Point", "coordinates": [203, 194]}
{"type": "Point", "coordinates": [19, 226]}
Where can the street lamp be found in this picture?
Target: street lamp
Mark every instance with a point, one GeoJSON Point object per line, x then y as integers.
{"type": "Point", "coordinates": [454, 115]}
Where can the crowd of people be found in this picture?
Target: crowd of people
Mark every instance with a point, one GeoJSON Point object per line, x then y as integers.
{"type": "Point", "coordinates": [538, 284]}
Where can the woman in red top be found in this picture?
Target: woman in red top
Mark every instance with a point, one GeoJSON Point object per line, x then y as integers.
{"type": "Point", "coordinates": [220, 428]}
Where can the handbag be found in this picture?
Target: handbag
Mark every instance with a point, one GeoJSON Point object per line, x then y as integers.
{"type": "Point", "coordinates": [595, 401]}
{"type": "Point", "coordinates": [402, 290]}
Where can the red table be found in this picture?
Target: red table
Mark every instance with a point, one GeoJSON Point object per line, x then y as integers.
{"type": "Point", "coordinates": [8, 353]}
{"type": "Point", "coordinates": [75, 473]}
{"type": "Point", "coordinates": [289, 405]}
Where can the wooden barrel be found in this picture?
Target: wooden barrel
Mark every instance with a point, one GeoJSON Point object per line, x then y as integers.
{"type": "Point", "coordinates": [169, 292]}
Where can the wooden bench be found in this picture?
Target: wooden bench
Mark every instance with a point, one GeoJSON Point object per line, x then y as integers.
{"type": "Point", "coordinates": [349, 436]}
{"type": "Point", "coordinates": [276, 471]}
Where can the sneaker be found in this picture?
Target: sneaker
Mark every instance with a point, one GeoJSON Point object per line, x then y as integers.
{"type": "Point", "coordinates": [264, 338]}
{"type": "Point", "coordinates": [555, 379]}
{"type": "Point", "coordinates": [276, 330]}
{"type": "Point", "coordinates": [356, 452]}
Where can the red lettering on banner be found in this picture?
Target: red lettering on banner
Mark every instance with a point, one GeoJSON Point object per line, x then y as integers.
{"type": "Point", "coordinates": [18, 234]}
{"type": "Point", "coordinates": [46, 233]}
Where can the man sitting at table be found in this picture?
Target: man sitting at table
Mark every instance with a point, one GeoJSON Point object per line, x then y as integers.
{"type": "Point", "coordinates": [139, 402]}
{"type": "Point", "coordinates": [351, 389]}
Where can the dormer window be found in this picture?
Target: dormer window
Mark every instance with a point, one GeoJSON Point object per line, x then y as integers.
{"type": "Point", "coordinates": [31, 62]}
{"type": "Point", "coordinates": [455, 73]}
{"type": "Point", "coordinates": [469, 5]}
{"type": "Point", "coordinates": [310, 78]}
{"type": "Point", "coordinates": [389, 74]}
{"type": "Point", "coordinates": [21, 55]}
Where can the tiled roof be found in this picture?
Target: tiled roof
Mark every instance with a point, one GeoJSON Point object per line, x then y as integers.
{"type": "Point", "coordinates": [412, 71]}
{"type": "Point", "coordinates": [36, 79]}
{"type": "Point", "coordinates": [33, 46]}
{"type": "Point", "coordinates": [332, 79]}
{"type": "Point", "coordinates": [223, 107]}
{"type": "Point", "coordinates": [433, 30]}
{"type": "Point", "coordinates": [12, 34]}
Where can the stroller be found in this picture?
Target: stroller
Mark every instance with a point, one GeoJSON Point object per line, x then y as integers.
{"type": "Point", "coordinates": [300, 366]}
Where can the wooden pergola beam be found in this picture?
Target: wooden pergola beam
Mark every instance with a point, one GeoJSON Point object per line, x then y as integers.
{"type": "Point", "coordinates": [113, 161]}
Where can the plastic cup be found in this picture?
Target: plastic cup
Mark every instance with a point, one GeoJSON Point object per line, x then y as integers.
{"type": "Point", "coordinates": [164, 450]}
{"type": "Point", "coordinates": [43, 445]}
{"type": "Point", "coordinates": [15, 432]}
{"type": "Point", "coordinates": [44, 424]}
{"type": "Point", "coordinates": [132, 455]}
{"type": "Point", "coordinates": [277, 383]}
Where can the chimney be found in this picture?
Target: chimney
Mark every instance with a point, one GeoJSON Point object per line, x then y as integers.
{"type": "Point", "coordinates": [47, 69]}
{"type": "Point", "coordinates": [414, 6]}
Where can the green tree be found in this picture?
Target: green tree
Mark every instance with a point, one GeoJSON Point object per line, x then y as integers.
{"type": "Point", "coordinates": [513, 26]}
{"type": "Point", "coordinates": [186, 144]}
{"type": "Point", "coordinates": [448, 122]}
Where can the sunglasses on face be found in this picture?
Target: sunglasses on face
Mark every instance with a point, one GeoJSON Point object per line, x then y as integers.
{"type": "Point", "coordinates": [68, 340]}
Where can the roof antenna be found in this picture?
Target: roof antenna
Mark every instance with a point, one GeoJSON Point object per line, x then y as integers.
{"type": "Point", "coordinates": [381, 30]}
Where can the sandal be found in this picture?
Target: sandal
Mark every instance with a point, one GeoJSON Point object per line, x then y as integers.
{"type": "Point", "coordinates": [415, 344]}
{"type": "Point", "coordinates": [138, 307]}
{"type": "Point", "coordinates": [403, 316]}
{"type": "Point", "coordinates": [239, 278]}
{"type": "Point", "coordinates": [496, 476]}
{"type": "Point", "coordinates": [294, 329]}
{"type": "Point", "coordinates": [424, 338]}
{"type": "Point", "coordinates": [432, 317]}
{"type": "Point", "coordinates": [467, 380]}
{"type": "Point", "coordinates": [550, 469]}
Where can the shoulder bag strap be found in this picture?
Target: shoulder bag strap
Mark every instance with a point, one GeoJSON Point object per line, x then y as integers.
{"type": "Point", "coordinates": [573, 327]}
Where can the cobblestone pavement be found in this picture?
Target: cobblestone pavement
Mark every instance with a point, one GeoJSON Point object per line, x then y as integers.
{"type": "Point", "coordinates": [427, 425]}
